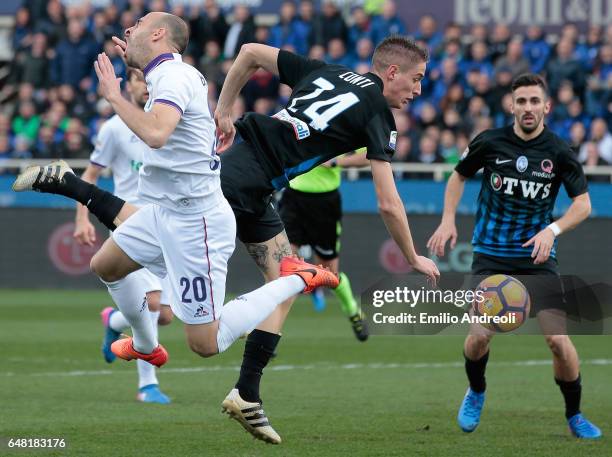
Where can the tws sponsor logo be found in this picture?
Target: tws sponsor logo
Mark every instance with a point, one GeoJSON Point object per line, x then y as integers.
{"type": "Point", "coordinates": [522, 187]}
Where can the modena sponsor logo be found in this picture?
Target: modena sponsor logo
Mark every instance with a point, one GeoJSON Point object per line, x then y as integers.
{"type": "Point", "coordinates": [514, 186]}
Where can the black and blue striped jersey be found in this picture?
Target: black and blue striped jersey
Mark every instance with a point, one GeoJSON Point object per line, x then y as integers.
{"type": "Point", "coordinates": [521, 180]}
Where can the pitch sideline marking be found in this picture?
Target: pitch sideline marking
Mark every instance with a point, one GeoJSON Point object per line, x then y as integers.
{"type": "Point", "coordinates": [320, 365]}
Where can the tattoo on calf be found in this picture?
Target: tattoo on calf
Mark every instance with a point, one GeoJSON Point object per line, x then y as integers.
{"type": "Point", "coordinates": [259, 253]}
{"type": "Point", "coordinates": [283, 249]}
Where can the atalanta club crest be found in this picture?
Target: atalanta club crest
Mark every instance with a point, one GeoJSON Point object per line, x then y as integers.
{"type": "Point", "coordinates": [521, 164]}
{"type": "Point", "coordinates": [496, 181]}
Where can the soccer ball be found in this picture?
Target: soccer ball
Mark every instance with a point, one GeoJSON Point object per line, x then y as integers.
{"type": "Point", "coordinates": [505, 297]}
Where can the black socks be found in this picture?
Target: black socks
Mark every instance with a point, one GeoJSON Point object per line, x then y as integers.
{"type": "Point", "coordinates": [258, 350]}
{"type": "Point", "coordinates": [102, 204]}
{"type": "Point", "coordinates": [572, 391]}
{"type": "Point", "coordinates": [475, 370]}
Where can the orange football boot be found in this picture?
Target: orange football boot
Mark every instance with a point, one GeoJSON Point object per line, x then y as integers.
{"type": "Point", "coordinates": [124, 349]}
{"type": "Point", "coordinates": [314, 276]}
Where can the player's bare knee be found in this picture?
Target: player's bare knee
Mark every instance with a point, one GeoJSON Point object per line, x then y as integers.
{"type": "Point", "coordinates": [102, 270]}
{"type": "Point", "coordinates": [153, 301]}
{"type": "Point", "coordinates": [558, 344]}
{"type": "Point", "coordinates": [165, 316]}
{"type": "Point", "coordinates": [478, 343]}
{"type": "Point", "coordinates": [203, 350]}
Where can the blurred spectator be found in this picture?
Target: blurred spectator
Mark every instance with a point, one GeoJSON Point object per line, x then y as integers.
{"type": "Point", "coordinates": [574, 114]}
{"type": "Point", "coordinates": [209, 24]}
{"type": "Point", "coordinates": [309, 19]}
{"type": "Point", "coordinates": [478, 59]}
{"type": "Point", "coordinates": [513, 59]}
{"type": "Point", "coordinates": [330, 24]}
{"type": "Point", "coordinates": [428, 32]}
{"type": "Point", "coordinates": [158, 6]}
{"type": "Point", "coordinates": [499, 41]}
{"type": "Point", "coordinates": [587, 50]}
{"type": "Point", "coordinates": [536, 49]}
{"type": "Point", "coordinates": [22, 32]}
{"type": "Point", "coordinates": [46, 147]}
{"type": "Point", "coordinates": [565, 67]}
{"type": "Point", "coordinates": [336, 54]}
{"type": "Point", "coordinates": [137, 7]}
{"type": "Point", "coordinates": [569, 32]}
{"type": "Point", "coordinates": [364, 51]}
{"type": "Point", "coordinates": [27, 122]}
{"type": "Point", "coordinates": [5, 124]}
{"type": "Point", "coordinates": [74, 56]}
{"type": "Point", "coordinates": [210, 63]}
{"type": "Point", "coordinates": [427, 153]}
{"type": "Point", "coordinates": [577, 136]}
{"type": "Point", "coordinates": [479, 32]}
{"type": "Point", "coordinates": [240, 32]}
{"type": "Point", "coordinates": [454, 99]}
{"type": "Point", "coordinates": [387, 23]}
{"type": "Point", "coordinates": [53, 26]}
{"type": "Point", "coordinates": [101, 29]}
{"type": "Point", "coordinates": [289, 30]}
{"type": "Point", "coordinates": [403, 149]}
{"type": "Point", "coordinates": [449, 75]}
{"type": "Point", "coordinates": [36, 8]}
{"type": "Point", "coordinates": [602, 138]}
{"type": "Point", "coordinates": [360, 28]}
{"type": "Point", "coordinates": [504, 116]}
{"type": "Point", "coordinates": [22, 148]}
{"type": "Point", "coordinates": [5, 150]}
{"type": "Point", "coordinates": [593, 157]}
{"type": "Point", "coordinates": [261, 85]}
{"type": "Point", "coordinates": [599, 86]}
{"type": "Point", "coordinates": [35, 64]}
{"type": "Point", "coordinates": [448, 147]}
{"type": "Point", "coordinates": [74, 146]}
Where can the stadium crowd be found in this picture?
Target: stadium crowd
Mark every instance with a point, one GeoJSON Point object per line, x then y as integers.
{"type": "Point", "coordinates": [51, 107]}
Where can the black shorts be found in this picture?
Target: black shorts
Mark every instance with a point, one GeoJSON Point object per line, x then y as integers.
{"type": "Point", "coordinates": [542, 281]}
{"type": "Point", "coordinates": [313, 219]}
{"type": "Point", "coordinates": [249, 193]}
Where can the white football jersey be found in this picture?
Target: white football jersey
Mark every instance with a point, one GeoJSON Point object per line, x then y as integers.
{"type": "Point", "coordinates": [184, 173]}
{"type": "Point", "coordinates": [120, 149]}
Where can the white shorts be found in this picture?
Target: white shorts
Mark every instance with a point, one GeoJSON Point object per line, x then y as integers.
{"type": "Point", "coordinates": [149, 281]}
{"type": "Point", "coordinates": [191, 249]}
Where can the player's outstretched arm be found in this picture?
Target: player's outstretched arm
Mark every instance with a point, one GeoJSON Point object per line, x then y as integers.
{"type": "Point", "coordinates": [392, 211]}
{"type": "Point", "coordinates": [357, 159]}
{"type": "Point", "coordinates": [544, 240]}
{"type": "Point", "coordinates": [447, 230]}
{"type": "Point", "coordinates": [153, 127]}
{"type": "Point", "coordinates": [252, 57]}
{"type": "Point", "coordinates": [84, 231]}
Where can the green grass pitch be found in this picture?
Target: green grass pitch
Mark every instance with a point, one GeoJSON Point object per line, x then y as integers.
{"type": "Point", "coordinates": [326, 393]}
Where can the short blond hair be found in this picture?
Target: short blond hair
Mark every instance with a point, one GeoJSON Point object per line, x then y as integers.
{"type": "Point", "coordinates": [398, 50]}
